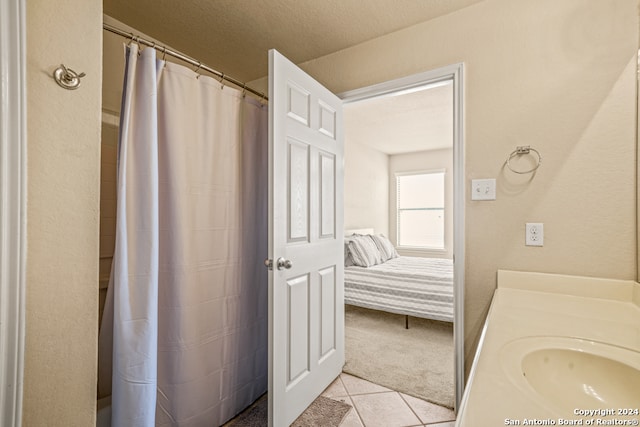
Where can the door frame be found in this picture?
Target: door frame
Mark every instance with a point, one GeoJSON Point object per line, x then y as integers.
{"type": "Point", "coordinates": [454, 72]}
{"type": "Point", "coordinates": [13, 165]}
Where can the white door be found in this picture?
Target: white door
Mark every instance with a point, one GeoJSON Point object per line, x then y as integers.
{"type": "Point", "coordinates": [306, 294]}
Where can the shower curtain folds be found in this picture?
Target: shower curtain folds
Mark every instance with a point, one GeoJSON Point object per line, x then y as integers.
{"type": "Point", "coordinates": [187, 302]}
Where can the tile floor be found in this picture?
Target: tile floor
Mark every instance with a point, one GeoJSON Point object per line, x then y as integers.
{"type": "Point", "coordinates": [374, 406]}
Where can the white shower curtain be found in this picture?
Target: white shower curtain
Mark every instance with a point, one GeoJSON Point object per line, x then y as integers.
{"type": "Point", "coordinates": [187, 303]}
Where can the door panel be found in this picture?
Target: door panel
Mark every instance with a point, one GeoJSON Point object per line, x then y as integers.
{"type": "Point", "coordinates": [298, 326]}
{"type": "Point", "coordinates": [327, 195]}
{"type": "Point", "coordinates": [298, 196]}
{"type": "Point", "coordinates": [306, 297]}
{"type": "Point", "coordinates": [327, 311]}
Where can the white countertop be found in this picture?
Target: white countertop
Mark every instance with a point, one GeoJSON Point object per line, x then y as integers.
{"type": "Point", "coordinates": [543, 305]}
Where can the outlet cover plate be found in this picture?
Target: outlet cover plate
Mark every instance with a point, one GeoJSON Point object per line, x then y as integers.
{"type": "Point", "coordinates": [534, 234]}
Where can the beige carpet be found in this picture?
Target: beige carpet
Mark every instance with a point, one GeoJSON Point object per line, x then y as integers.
{"type": "Point", "coordinates": [417, 361]}
{"type": "Point", "coordinates": [323, 412]}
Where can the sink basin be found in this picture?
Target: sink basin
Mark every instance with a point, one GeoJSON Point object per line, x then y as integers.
{"type": "Point", "coordinates": [567, 373]}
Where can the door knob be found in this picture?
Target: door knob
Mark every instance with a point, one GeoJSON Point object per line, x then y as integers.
{"type": "Point", "coordinates": [284, 263]}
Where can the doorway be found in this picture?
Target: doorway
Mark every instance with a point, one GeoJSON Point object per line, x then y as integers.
{"type": "Point", "coordinates": [453, 245]}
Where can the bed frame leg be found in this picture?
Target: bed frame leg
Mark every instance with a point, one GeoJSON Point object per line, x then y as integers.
{"type": "Point", "coordinates": [406, 321]}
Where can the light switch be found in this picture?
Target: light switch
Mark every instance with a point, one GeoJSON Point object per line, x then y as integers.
{"type": "Point", "coordinates": [483, 189]}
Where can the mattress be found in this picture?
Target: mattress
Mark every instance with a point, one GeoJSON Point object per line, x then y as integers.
{"type": "Point", "coordinates": [420, 287]}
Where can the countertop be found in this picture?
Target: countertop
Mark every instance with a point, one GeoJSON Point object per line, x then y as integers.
{"type": "Point", "coordinates": [543, 305]}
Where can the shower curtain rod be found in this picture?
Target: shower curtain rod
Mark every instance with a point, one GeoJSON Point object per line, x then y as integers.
{"type": "Point", "coordinates": [182, 57]}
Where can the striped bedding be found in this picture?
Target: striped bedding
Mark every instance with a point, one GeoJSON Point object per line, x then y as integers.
{"type": "Point", "coordinates": [420, 287]}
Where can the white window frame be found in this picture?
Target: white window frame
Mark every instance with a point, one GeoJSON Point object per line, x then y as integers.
{"type": "Point", "coordinates": [13, 165]}
{"type": "Point", "coordinates": [444, 208]}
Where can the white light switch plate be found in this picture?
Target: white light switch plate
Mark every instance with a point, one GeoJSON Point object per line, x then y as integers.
{"type": "Point", "coordinates": [483, 189]}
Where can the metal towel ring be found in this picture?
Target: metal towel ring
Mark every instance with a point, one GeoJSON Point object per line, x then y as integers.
{"type": "Point", "coordinates": [524, 149]}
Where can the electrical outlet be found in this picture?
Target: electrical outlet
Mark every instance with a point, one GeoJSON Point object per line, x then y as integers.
{"type": "Point", "coordinates": [534, 234]}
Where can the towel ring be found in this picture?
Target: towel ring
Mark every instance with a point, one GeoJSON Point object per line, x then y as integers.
{"type": "Point", "coordinates": [520, 150]}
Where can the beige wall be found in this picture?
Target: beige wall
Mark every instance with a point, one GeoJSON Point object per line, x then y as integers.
{"type": "Point", "coordinates": [366, 187]}
{"type": "Point", "coordinates": [416, 162]}
{"type": "Point", "coordinates": [113, 65]}
{"type": "Point", "coordinates": [62, 213]}
{"type": "Point", "coordinates": [108, 199]}
{"type": "Point", "coordinates": [557, 75]}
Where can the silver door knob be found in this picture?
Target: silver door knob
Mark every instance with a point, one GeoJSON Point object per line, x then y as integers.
{"type": "Point", "coordinates": [268, 263]}
{"type": "Point", "coordinates": [284, 263]}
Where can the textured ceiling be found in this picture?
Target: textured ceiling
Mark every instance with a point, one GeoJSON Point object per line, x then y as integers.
{"type": "Point", "coordinates": [233, 36]}
{"type": "Point", "coordinates": [417, 121]}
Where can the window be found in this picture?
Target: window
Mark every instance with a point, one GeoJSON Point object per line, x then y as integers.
{"type": "Point", "coordinates": [420, 210]}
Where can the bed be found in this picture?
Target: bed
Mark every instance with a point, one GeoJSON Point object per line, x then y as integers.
{"type": "Point", "coordinates": [411, 286]}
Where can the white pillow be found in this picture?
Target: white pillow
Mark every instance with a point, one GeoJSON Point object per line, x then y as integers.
{"type": "Point", "coordinates": [364, 252]}
{"type": "Point", "coordinates": [347, 255]}
{"type": "Point", "coordinates": [387, 251]}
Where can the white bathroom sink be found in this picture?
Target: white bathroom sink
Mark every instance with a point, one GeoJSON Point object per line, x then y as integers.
{"type": "Point", "coordinates": [567, 373]}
